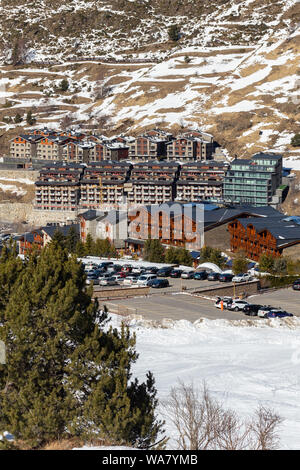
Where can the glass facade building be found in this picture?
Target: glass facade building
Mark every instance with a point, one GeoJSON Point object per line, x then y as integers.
{"type": "Point", "coordinates": [253, 181]}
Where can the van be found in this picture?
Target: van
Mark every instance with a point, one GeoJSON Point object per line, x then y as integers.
{"type": "Point", "coordinates": [143, 280]}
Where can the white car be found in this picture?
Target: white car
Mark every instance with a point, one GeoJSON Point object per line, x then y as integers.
{"type": "Point", "coordinates": [237, 305]}
{"type": "Point", "coordinates": [109, 281]}
{"type": "Point", "coordinates": [266, 309]}
{"type": "Point", "coordinates": [245, 277]}
{"type": "Point", "coordinates": [187, 274]}
{"type": "Point", "coordinates": [143, 280]}
{"type": "Point", "coordinates": [129, 280]}
{"type": "Point", "coordinates": [226, 302]}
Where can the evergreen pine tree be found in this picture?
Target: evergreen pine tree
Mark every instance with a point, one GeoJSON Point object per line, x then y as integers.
{"type": "Point", "coordinates": [171, 256]}
{"type": "Point", "coordinates": [79, 249]}
{"type": "Point", "coordinates": [154, 251]}
{"type": "Point", "coordinates": [89, 246]}
{"type": "Point", "coordinates": [30, 119]}
{"type": "Point", "coordinates": [71, 240]}
{"type": "Point", "coordinates": [18, 118]}
{"type": "Point", "coordinates": [240, 263]}
{"type": "Point", "coordinates": [65, 374]}
{"type": "Point", "coordinates": [184, 257]}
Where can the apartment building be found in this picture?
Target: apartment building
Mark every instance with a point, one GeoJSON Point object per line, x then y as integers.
{"type": "Point", "coordinates": [205, 145]}
{"type": "Point", "coordinates": [24, 146]}
{"type": "Point", "coordinates": [78, 151]}
{"type": "Point", "coordinates": [51, 147]}
{"type": "Point", "coordinates": [58, 187]}
{"type": "Point", "coordinates": [253, 181]}
{"type": "Point", "coordinates": [182, 148]}
{"type": "Point", "coordinates": [145, 147]}
{"type": "Point", "coordinates": [200, 181]}
{"type": "Point", "coordinates": [274, 235]}
{"type": "Point", "coordinates": [103, 183]}
{"type": "Point", "coordinates": [152, 182]}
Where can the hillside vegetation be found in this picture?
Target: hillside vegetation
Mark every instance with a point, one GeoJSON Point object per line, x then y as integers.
{"type": "Point", "coordinates": [234, 70]}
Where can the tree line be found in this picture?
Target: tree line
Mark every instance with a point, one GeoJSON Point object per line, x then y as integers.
{"type": "Point", "coordinates": [67, 373]}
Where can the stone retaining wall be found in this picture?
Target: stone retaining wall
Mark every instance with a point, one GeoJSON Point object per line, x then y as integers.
{"type": "Point", "coordinates": [121, 293]}
{"type": "Point", "coordinates": [243, 289]}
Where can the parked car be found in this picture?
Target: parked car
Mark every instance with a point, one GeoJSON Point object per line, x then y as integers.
{"type": "Point", "coordinates": [296, 284]}
{"type": "Point", "coordinates": [226, 301]}
{"type": "Point", "coordinates": [176, 273]}
{"type": "Point", "coordinates": [144, 278]}
{"type": "Point", "coordinates": [119, 278]}
{"type": "Point", "coordinates": [187, 274]}
{"type": "Point", "coordinates": [104, 276]}
{"type": "Point", "coordinates": [117, 268]}
{"type": "Point", "coordinates": [99, 271]}
{"type": "Point", "coordinates": [200, 275]}
{"type": "Point", "coordinates": [225, 277]}
{"type": "Point", "coordinates": [151, 270]}
{"type": "Point", "coordinates": [213, 277]}
{"type": "Point", "coordinates": [138, 270]}
{"type": "Point", "coordinates": [237, 305]}
{"type": "Point", "coordinates": [130, 280]}
{"type": "Point", "coordinates": [158, 283]}
{"type": "Point", "coordinates": [92, 279]}
{"type": "Point", "coordinates": [278, 314]}
{"type": "Point", "coordinates": [127, 268]}
{"type": "Point", "coordinates": [243, 277]}
{"type": "Point", "coordinates": [105, 264]}
{"type": "Point", "coordinates": [164, 272]}
{"type": "Point", "coordinates": [251, 309]}
{"type": "Point", "coordinates": [108, 281]}
{"type": "Point", "coordinates": [267, 308]}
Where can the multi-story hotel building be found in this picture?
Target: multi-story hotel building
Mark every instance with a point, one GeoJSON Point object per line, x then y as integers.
{"type": "Point", "coordinates": [200, 181]}
{"type": "Point", "coordinates": [152, 182]}
{"type": "Point", "coordinates": [146, 148]}
{"type": "Point", "coordinates": [103, 183]}
{"type": "Point", "coordinates": [253, 181]}
{"type": "Point", "coordinates": [58, 187]}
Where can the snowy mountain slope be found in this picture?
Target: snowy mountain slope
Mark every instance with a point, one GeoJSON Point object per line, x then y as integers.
{"type": "Point", "coordinates": [56, 29]}
{"type": "Point", "coordinates": [243, 90]}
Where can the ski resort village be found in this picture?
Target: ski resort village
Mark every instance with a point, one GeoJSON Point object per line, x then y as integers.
{"type": "Point", "coordinates": [149, 226]}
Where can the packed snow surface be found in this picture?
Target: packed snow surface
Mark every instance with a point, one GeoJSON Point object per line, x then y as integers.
{"type": "Point", "coordinates": [244, 364]}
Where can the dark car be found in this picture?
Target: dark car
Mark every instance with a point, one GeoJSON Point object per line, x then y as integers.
{"type": "Point", "coordinates": [251, 309]}
{"type": "Point", "coordinates": [278, 314]}
{"type": "Point", "coordinates": [200, 275]}
{"type": "Point", "coordinates": [151, 270]}
{"type": "Point", "coordinates": [296, 285]}
{"type": "Point", "coordinates": [105, 264]}
{"type": "Point", "coordinates": [213, 277]}
{"type": "Point", "coordinates": [225, 277]}
{"type": "Point", "coordinates": [164, 272]}
{"type": "Point", "coordinates": [158, 283]}
{"type": "Point", "coordinates": [117, 268]}
{"type": "Point", "coordinates": [176, 273]}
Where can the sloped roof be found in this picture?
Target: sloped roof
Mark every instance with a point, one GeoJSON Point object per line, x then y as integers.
{"type": "Point", "coordinates": [63, 229]}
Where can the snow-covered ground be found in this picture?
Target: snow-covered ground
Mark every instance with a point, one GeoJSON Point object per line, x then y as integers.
{"type": "Point", "coordinates": [243, 364]}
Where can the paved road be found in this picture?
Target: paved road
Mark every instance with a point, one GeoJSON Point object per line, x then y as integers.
{"type": "Point", "coordinates": [176, 307]}
{"type": "Point", "coordinates": [189, 307]}
{"type": "Point", "coordinates": [287, 299]}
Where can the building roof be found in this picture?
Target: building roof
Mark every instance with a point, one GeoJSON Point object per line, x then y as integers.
{"type": "Point", "coordinates": [282, 228]}
{"type": "Point", "coordinates": [63, 229]}
{"type": "Point", "coordinates": [91, 214]}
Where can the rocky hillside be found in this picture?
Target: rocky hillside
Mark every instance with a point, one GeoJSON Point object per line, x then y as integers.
{"type": "Point", "coordinates": [234, 70]}
{"type": "Point", "coordinates": [54, 29]}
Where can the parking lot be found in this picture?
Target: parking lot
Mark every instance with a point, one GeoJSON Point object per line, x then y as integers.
{"type": "Point", "coordinates": [177, 285]}
{"type": "Point", "coordinates": [178, 306]}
